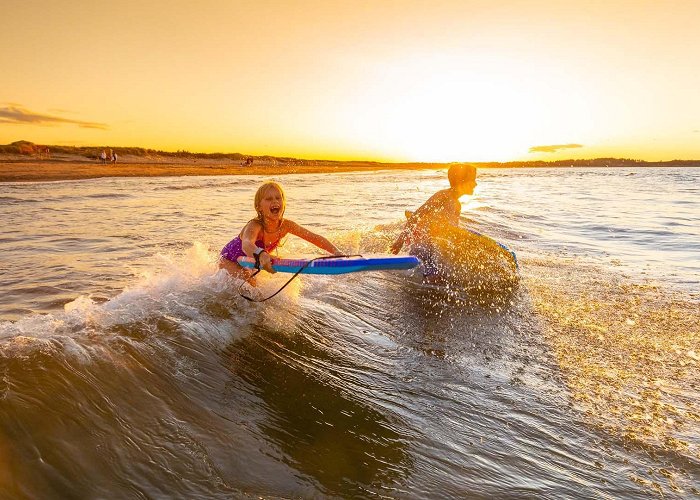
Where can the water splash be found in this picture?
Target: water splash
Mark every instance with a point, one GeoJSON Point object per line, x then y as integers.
{"type": "Point", "coordinates": [185, 288]}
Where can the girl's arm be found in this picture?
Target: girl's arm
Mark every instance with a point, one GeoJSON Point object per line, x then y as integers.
{"type": "Point", "coordinates": [312, 237]}
{"type": "Point", "coordinates": [248, 236]}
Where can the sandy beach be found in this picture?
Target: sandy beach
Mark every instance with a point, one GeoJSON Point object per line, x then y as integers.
{"type": "Point", "coordinates": [15, 167]}
{"type": "Point", "coordinates": [54, 170]}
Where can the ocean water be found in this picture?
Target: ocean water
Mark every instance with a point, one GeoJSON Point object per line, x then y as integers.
{"type": "Point", "coordinates": [131, 368]}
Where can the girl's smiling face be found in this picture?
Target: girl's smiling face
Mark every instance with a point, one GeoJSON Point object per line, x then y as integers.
{"type": "Point", "coordinates": [272, 204]}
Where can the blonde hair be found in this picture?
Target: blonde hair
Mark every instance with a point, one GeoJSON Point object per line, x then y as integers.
{"type": "Point", "coordinates": [260, 193]}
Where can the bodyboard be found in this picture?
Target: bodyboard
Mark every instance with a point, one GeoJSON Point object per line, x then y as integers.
{"type": "Point", "coordinates": [340, 265]}
{"type": "Point", "coordinates": [471, 258]}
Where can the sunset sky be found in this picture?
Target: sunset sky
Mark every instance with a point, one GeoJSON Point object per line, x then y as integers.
{"type": "Point", "coordinates": [462, 80]}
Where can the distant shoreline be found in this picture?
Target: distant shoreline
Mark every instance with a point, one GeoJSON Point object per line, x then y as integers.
{"type": "Point", "coordinates": [20, 168]}
{"type": "Point", "coordinates": [47, 170]}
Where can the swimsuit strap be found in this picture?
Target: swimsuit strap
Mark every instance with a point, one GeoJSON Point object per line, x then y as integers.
{"type": "Point", "coordinates": [271, 246]}
{"type": "Point", "coordinates": [261, 243]}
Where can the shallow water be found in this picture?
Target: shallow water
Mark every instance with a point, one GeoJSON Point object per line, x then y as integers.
{"type": "Point", "coordinates": [130, 367]}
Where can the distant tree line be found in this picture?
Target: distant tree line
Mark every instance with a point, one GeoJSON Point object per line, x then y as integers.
{"type": "Point", "coordinates": [92, 153]}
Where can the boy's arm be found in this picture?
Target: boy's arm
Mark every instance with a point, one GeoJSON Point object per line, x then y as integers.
{"type": "Point", "coordinates": [398, 242]}
{"type": "Point", "coordinates": [412, 218]}
{"type": "Point", "coordinates": [312, 237]}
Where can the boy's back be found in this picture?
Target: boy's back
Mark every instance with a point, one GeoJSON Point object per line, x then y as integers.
{"type": "Point", "coordinates": [442, 208]}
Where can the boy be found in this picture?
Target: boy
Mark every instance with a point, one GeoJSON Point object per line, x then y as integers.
{"type": "Point", "coordinates": [442, 209]}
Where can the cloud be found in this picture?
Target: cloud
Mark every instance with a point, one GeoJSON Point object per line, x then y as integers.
{"type": "Point", "coordinates": [16, 115]}
{"type": "Point", "coordinates": [553, 148]}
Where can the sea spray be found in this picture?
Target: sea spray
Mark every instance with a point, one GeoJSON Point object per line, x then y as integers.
{"type": "Point", "coordinates": [187, 287]}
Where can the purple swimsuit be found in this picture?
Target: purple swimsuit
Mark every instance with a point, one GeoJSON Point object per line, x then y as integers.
{"type": "Point", "coordinates": [234, 248]}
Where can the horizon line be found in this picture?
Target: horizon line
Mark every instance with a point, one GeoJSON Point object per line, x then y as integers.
{"type": "Point", "coordinates": [203, 154]}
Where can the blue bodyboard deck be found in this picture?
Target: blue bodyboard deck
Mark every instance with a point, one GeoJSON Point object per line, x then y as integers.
{"type": "Point", "coordinates": [341, 265]}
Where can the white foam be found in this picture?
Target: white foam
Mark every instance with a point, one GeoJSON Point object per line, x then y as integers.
{"type": "Point", "coordinates": [174, 286]}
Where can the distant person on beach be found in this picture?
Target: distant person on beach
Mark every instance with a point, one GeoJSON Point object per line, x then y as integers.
{"type": "Point", "coordinates": [262, 235]}
{"type": "Point", "coordinates": [442, 209]}
{"type": "Point", "coordinates": [114, 157]}
{"type": "Point", "coordinates": [103, 156]}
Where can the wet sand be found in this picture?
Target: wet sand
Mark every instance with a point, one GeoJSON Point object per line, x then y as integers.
{"type": "Point", "coordinates": [38, 171]}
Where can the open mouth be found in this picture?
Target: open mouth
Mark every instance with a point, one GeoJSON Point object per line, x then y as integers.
{"type": "Point", "coordinates": [275, 210]}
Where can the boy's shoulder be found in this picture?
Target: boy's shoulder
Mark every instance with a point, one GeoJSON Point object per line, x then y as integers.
{"type": "Point", "coordinates": [442, 196]}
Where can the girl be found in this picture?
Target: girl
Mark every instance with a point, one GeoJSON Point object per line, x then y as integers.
{"type": "Point", "coordinates": [262, 234]}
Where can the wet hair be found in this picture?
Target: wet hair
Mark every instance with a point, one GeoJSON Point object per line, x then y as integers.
{"type": "Point", "coordinates": [460, 172]}
{"type": "Point", "coordinates": [260, 193]}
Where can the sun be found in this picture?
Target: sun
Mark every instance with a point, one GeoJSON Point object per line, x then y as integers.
{"type": "Point", "coordinates": [489, 109]}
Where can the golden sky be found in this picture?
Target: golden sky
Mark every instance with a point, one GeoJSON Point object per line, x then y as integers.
{"type": "Point", "coordinates": [462, 80]}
